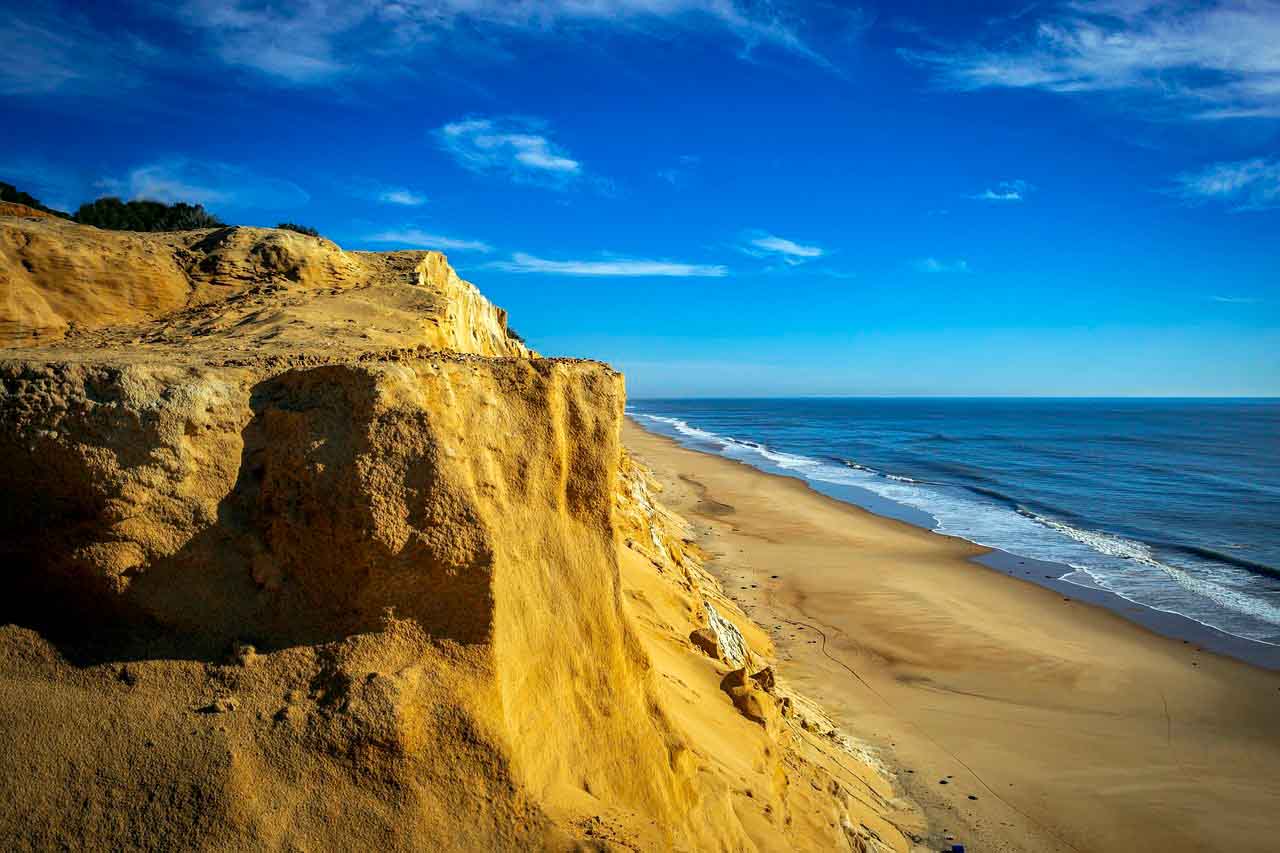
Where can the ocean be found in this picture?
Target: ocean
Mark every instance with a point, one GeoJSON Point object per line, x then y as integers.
{"type": "Point", "coordinates": [1171, 504]}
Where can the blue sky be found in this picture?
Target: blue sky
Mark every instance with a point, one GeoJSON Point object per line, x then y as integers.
{"type": "Point", "coordinates": [725, 197]}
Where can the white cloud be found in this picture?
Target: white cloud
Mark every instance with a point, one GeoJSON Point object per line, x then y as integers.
{"type": "Point", "coordinates": [420, 239]}
{"type": "Point", "coordinates": [401, 196]}
{"type": "Point", "coordinates": [205, 182]}
{"type": "Point", "coordinates": [1237, 300]}
{"type": "Point", "coordinates": [761, 244]}
{"type": "Point", "coordinates": [787, 248]}
{"type": "Point", "coordinates": [1245, 184]}
{"type": "Point", "coordinates": [321, 39]}
{"type": "Point", "coordinates": [295, 42]}
{"type": "Point", "coordinates": [625, 267]}
{"type": "Point", "coordinates": [1208, 61]}
{"type": "Point", "coordinates": [1006, 191]}
{"type": "Point", "coordinates": [514, 146]}
{"type": "Point", "coordinates": [933, 265]}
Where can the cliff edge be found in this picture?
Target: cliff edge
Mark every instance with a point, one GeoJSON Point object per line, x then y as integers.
{"type": "Point", "coordinates": [309, 552]}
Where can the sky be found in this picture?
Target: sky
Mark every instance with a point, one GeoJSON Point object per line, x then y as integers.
{"type": "Point", "coordinates": [725, 197]}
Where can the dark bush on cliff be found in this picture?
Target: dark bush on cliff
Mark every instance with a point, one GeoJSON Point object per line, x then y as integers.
{"type": "Point", "coordinates": [10, 193]}
{"type": "Point", "coordinates": [301, 229]}
{"type": "Point", "coordinates": [116, 215]}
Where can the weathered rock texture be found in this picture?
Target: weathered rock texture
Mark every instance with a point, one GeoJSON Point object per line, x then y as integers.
{"type": "Point", "coordinates": [306, 552]}
{"type": "Point", "coordinates": [234, 291]}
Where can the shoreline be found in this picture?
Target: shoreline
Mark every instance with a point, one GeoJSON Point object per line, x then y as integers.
{"type": "Point", "coordinates": [1045, 573]}
{"type": "Point", "coordinates": [1019, 716]}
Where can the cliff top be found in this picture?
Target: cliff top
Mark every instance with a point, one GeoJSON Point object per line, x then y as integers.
{"type": "Point", "coordinates": [229, 295]}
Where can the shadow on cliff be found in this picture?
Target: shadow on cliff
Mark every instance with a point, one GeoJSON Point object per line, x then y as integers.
{"type": "Point", "coordinates": [339, 515]}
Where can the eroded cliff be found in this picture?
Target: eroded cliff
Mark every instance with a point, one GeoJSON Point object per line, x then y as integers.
{"type": "Point", "coordinates": [310, 553]}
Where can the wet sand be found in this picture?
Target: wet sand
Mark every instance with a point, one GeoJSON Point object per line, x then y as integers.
{"type": "Point", "coordinates": [1021, 717]}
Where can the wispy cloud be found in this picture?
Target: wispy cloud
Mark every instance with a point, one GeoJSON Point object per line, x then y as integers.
{"type": "Point", "coordinates": [761, 244]}
{"type": "Point", "coordinates": [1005, 191]}
{"type": "Point", "coordinates": [624, 267]}
{"type": "Point", "coordinates": [295, 42]}
{"type": "Point", "coordinates": [933, 265]}
{"type": "Point", "coordinates": [517, 147]}
{"type": "Point", "coordinates": [1207, 61]}
{"type": "Point", "coordinates": [401, 196]}
{"type": "Point", "coordinates": [680, 173]}
{"type": "Point", "coordinates": [835, 273]}
{"type": "Point", "coordinates": [61, 46]}
{"type": "Point", "coordinates": [785, 247]}
{"type": "Point", "coordinates": [420, 239]}
{"type": "Point", "coordinates": [1237, 300]}
{"type": "Point", "coordinates": [51, 47]}
{"type": "Point", "coordinates": [319, 40]}
{"type": "Point", "coordinates": [1244, 184]}
{"type": "Point", "coordinates": [205, 182]}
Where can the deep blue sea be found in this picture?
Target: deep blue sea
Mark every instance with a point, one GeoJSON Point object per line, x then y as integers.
{"type": "Point", "coordinates": [1173, 504]}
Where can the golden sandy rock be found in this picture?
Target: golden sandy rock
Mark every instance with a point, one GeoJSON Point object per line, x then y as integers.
{"type": "Point", "coordinates": [13, 208]}
{"type": "Point", "coordinates": [307, 552]}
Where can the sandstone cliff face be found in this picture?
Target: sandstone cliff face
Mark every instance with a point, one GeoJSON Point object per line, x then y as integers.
{"type": "Point", "coordinates": [308, 553]}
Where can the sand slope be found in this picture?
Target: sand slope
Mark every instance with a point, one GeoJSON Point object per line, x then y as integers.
{"type": "Point", "coordinates": [307, 553]}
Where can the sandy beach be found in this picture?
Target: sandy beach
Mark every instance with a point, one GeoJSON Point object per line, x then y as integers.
{"type": "Point", "coordinates": [1020, 717]}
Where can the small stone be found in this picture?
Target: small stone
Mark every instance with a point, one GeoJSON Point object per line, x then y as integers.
{"type": "Point", "coordinates": [764, 678]}
{"type": "Point", "coordinates": [705, 640]}
{"type": "Point", "coordinates": [221, 705]}
{"type": "Point", "coordinates": [244, 654]}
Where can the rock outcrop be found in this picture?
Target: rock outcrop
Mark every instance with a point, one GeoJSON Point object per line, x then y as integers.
{"type": "Point", "coordinates": [307, 552]}
{"type": "Point", "coordinates": [236, 291]}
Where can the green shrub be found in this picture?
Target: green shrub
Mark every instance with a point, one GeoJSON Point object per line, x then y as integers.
{"type": "Point", "coordinates": [8, 192]}
{"type": "Point", "coordinates": [301, 229]}
{"type": "Point", "coordinates": [115, 215]}
{"type": "Point", "coordinates": [512, 333]}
